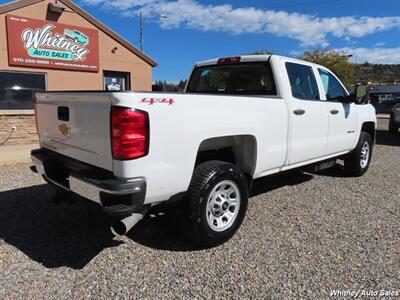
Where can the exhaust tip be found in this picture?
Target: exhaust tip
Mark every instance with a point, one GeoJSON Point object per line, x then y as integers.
{"type": "Point", "coordinates": [118, 228]}
{"type": "Point", "coordinates": [121, 227]}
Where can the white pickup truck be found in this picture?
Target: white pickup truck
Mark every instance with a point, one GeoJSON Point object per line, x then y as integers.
{"type": "Point", "coordinates": [240, 118]}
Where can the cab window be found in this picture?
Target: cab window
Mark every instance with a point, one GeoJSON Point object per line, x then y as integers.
{"type": "Point", "coordinates": [332, 87]}
{"type": "Point", "coordinates": [302, 81]}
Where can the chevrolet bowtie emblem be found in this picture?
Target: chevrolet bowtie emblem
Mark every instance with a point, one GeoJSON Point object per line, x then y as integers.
{"type": "Point", "coordinates": [64, 129]}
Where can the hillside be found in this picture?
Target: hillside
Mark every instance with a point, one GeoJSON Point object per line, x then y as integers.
{"type": "Point", "coordinates": [377, 74]}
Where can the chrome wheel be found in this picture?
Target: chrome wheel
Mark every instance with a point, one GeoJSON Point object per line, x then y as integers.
{"type": "Point", "coordinates": [364, 158]}
{"type": "Point", "coordinates": [223, 205]}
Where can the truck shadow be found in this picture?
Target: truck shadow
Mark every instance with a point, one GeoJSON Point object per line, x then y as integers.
{"type": "Point", "coordinates": [161, 228]}
{"type": "Point", "coordinates": [387, 138]}
{"type": "Point", "coordinates": [335, 171]}
{"type": "Point", "coordinates": [72, 235]}
{"type": "Point", "coordinates": [53, 235]}
{"type": "Point", "coordinates": [269, 183]}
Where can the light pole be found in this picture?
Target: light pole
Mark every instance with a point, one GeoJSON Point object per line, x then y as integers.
{"type": "Point", "coordinates": [141, 20]}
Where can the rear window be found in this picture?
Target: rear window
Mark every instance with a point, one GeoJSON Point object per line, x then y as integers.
{"type": "Point", "coordinates": [253, 78]}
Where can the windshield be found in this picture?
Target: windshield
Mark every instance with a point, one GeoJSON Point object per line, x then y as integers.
{"type": "Point", "coordinates": [252, 78]}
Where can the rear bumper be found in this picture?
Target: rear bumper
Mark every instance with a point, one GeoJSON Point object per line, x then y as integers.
{"type": "Point", "coordinates": [118, 198]}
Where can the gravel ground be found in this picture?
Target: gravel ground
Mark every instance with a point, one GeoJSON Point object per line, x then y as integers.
{"type": "Point", "coordinates": [304, 235]}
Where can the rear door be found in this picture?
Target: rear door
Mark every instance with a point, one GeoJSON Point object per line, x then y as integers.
{"type": "Point", "coordinates": [77, 125]}
{"type": "Point", "coordinates": [343, 117]}
{"type": "Point", "coordinates": [308, 114]}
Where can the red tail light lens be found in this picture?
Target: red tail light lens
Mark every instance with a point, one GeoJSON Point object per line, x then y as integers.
{"type": "Point", "coordinates": [129, 133]}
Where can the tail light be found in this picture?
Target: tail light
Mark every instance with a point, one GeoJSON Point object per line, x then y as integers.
{"type": "Point", "coordinates": [227, 60]}
{"type": "Point", "coordinates": [129, 133]}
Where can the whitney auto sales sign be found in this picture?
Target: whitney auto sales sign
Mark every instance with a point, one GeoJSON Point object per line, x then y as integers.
{"type": "Point", "coordinates": [43, 44]}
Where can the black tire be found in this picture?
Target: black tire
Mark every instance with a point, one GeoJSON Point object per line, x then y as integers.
{"type": "Point", "coordinates": [392, 126]}
{"type": "Point", "coordinates": [206, 177]}
{"type": "Point", "coordinates": [352, 161]}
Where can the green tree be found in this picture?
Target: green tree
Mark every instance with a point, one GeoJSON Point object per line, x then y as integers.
{"type": "Point", "coordinates": [337, 62]}
{"type": "Point", "coordinates": [182, 84]}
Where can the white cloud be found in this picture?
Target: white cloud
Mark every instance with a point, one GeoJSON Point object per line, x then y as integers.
{"type": "Point", "coordinates": [374, 55]}
{"type": "Point", "coordinates": [308, 29]}
{"type": "Point", "coordinates": [379, 44]}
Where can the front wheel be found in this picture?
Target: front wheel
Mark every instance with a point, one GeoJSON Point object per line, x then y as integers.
{"type": "Point", "coordinates": [215, 204]}
{"type": "Point", "coordinates": [357, 162]}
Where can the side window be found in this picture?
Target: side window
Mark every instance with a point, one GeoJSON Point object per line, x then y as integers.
{"type": "Point", "coordinates": [332, 87]}
{"type": "Point", "coordinates": [302, 81]}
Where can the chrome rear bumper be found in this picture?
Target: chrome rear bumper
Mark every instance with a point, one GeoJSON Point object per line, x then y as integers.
{"type": "Point", "coordinates": [117, 197]}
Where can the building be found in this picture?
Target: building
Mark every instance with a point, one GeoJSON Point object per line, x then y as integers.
{"type": "Point", "coordinates": [55, 45]}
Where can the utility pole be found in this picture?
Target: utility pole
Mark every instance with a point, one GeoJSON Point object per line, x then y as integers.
{"type": "Point", "coordinates": [141, 29]}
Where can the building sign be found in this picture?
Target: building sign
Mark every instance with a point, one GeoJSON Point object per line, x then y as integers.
{"type": "Point", "coordinates": [43, 44]}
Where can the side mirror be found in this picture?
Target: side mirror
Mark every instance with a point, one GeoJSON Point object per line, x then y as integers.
{"type": "Point", "coordinates": [361, 93]}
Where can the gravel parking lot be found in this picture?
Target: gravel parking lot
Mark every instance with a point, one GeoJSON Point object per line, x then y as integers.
{"type": "Point", "coordinates": [305, 234]}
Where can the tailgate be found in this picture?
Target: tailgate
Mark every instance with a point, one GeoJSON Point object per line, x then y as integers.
{"type": "Point", "coordinates": [77, 125]}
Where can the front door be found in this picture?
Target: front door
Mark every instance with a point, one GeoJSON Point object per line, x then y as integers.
{"type": "Point", "coordinates": [342, 116]}
{"type": "Point", "coordinates": [308, 115]}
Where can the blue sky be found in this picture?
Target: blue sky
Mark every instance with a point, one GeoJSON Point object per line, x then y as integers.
{"type": "Point", "coordinates": [197, 30]}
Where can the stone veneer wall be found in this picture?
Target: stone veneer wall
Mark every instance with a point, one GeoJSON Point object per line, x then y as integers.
{"type": "Point", "coordinates": [25, 129]}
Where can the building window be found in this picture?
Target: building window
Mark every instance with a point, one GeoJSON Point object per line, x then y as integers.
{"type": "Point", "coordinates": [116, 81]}
{"type": "Point", "coordinates": [17, 89]}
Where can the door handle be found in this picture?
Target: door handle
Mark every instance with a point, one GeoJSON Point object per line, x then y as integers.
{"type": "Point", "coordinates": [299, 112]}
{"type": "Point", "coordinates": [334, 111]}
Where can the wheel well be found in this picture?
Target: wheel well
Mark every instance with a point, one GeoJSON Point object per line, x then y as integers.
{"type": "Point", "coordinates": [369, 127]}
{"type": "Point", "coordinates": [240, 150]}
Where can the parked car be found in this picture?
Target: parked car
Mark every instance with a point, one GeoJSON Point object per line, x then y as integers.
{"type": "Point", "coordinates": [240, 118]}
{"type": "Point", "coordinates": [394, 122]}
{"type": "Point", "coordinates": [77, 36]}
{"type": "Point", "coordinates": [383, 103]}
{"type": "Point", "coordinates": [386, 97]}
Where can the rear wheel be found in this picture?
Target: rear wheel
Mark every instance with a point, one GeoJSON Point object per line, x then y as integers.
{"type": "Point", "coordinates": [357, 162]}
{"type": "Point", "coordinates": [215, 204]}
